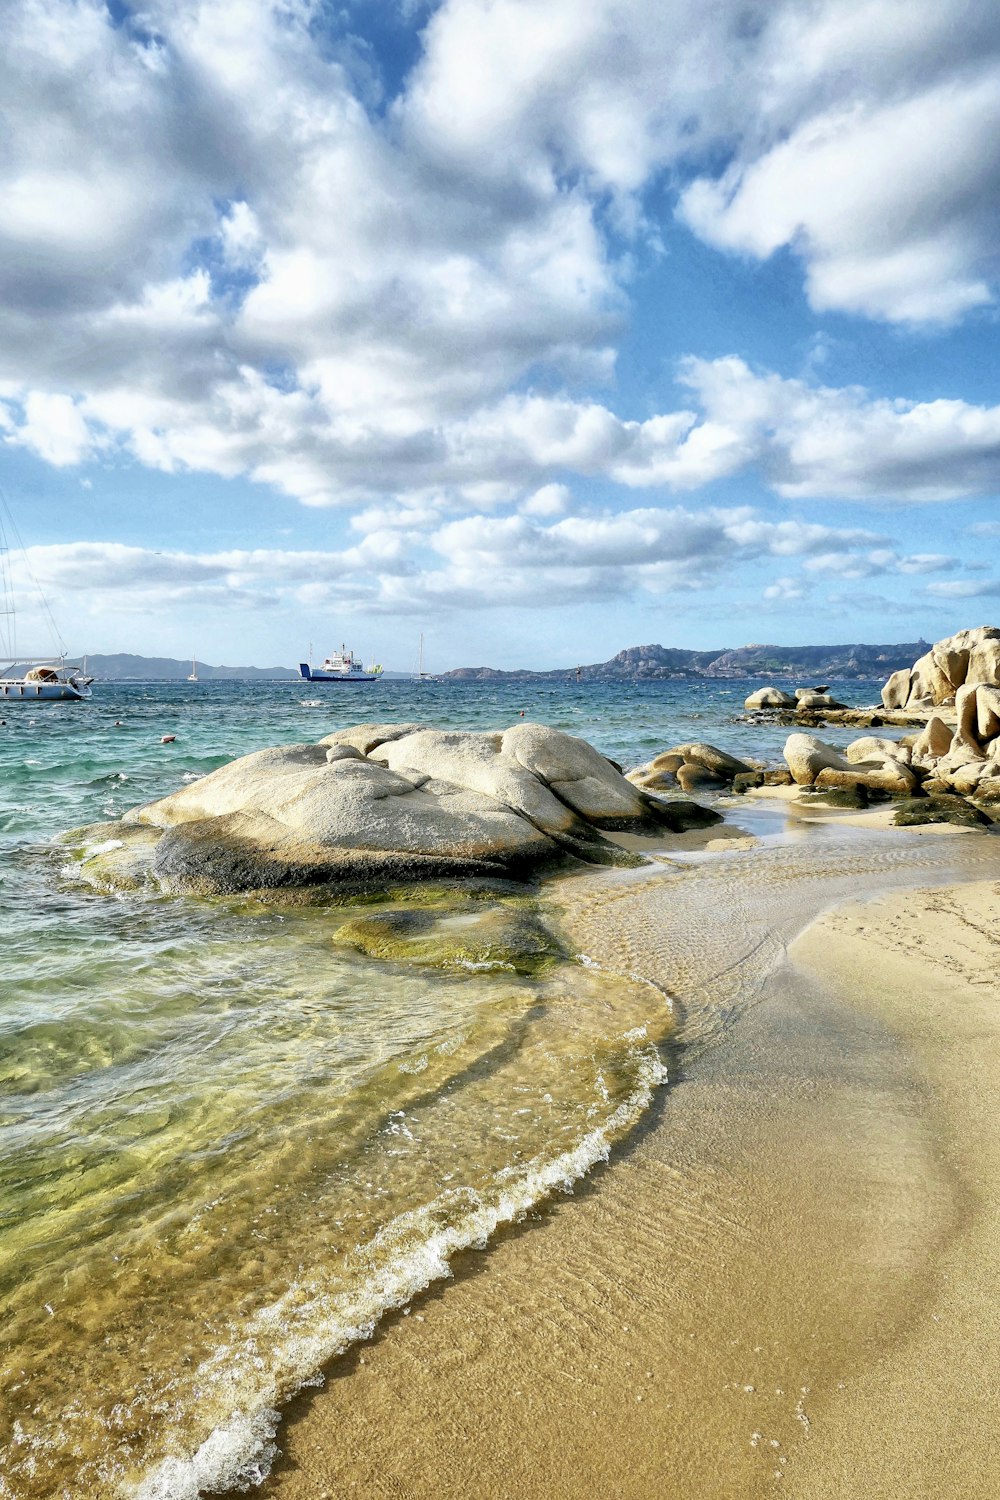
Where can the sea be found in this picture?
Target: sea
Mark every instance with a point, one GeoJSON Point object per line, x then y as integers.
{"type": "Point", "coordinates": [229, 1146]}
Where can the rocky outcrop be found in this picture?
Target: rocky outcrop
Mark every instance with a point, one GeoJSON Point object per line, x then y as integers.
{"type": "Point", "coordinates": [768, 697]}
{"type": "Point", "coordinates": [711, 758]}
{"type": "Point", "coordinates": [813, 763]}
{"type": "Point", "coordinates": [963, 670]}
{"type": "Point", "coordinates": [969, 659]}
{"type": "Point", "coordinates": [933, 741]}
{"type": "Point", "coordinates": [815, 698]}
{"type": "Point", "coordinates": [805, 701]}
{"type": "Point", "coordinates": [695, 767]}
{"type": "Point", "coordinates": [376, 805]}
{"type": "Point", "coordinates": [871, 747]}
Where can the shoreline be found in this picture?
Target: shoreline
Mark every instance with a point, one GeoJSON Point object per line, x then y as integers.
{"type": "Point", "coordinates": [712, 1314]}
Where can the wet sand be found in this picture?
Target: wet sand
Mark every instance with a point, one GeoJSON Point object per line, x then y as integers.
{"type": "Point", "coordinates": [784, 1285]}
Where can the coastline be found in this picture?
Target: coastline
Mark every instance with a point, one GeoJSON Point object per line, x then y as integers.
{"type": "Point", "coordinates": [745, 1303]}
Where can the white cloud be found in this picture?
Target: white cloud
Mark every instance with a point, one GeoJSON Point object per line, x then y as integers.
{"type": "Point", "coordinates": [550, 500]}
{"type": "Point", "coordinates": [844, 443]}
{"type": "Point", "coordinates": [878, 200]}
{"type": "Point", "coordinates": [785, 590]}
{"type": "Point", "coordinates": [53, 427]}
{"type": "Point", "coordinates": [475, 561]}
{"type": "Point", "coordinates": [958, 588]}
{"type": "Point", "coordinates": [927, 562]}
{"type": "Point", "coordinates": [218, 255]}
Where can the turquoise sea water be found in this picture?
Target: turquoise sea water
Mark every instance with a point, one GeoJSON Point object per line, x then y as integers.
{"type": "Point", "coordinates": [226, 1144]}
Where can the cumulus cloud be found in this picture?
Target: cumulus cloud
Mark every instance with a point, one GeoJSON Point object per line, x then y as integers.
{"type": "Point", "coordinates": [474, 561]}
{"type": "Point", "coordinates": [864, 136]}
{"type": "Point", "coordinates": [842, 442]}
{"type": "Point", "coordinates": [550, 500]}
{"type": "Point", "coordinates": [226, 249]}
{"type": "Point", "coordinates": [785, 591]}
{"type": "Point", "coordinates": [53, 427]}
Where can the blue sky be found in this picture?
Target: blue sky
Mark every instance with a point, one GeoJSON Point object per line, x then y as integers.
{"type": "Point", "coordinates": [541, 329]}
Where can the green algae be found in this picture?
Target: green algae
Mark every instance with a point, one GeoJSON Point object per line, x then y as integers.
{"type": "Point", "coordinates": [941, 808]}
{"type": "Point", "coordinates": [509, 937]}
{"type": "Point", "coordinates": [113, 856]}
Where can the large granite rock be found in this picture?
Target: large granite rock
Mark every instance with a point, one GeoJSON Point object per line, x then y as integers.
{"type": "Point", "coordinates": [692, 777]}
{"type": "Point", "coordinates": [380, 804]}
{"type": "Point", "coordinates": [813, 698]}
{"type": "Point", "coordinates": [711, 758]}
{"type": "Point", "coordinates": [806, 756]}
{"type": "Point", "coordinates": [768, 697]}
{"type": "Point", "coordinates": [814, 763]}
{"type": "Point", "coordinates": [871, 747]}
{"type": "Point", "coordinates": [889, 776]}
{"type": "Point", "coordinates": [696, 767]}
{"type": "Point", "coordinates": [933, 741]}
{"type": "Point", "coordinates": [969, 658]}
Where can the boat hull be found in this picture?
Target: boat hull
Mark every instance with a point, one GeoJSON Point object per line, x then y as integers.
{"type": "Point", "coordinates": [16, 690]}
{"type": "Point", "coordinates": [324, 678]}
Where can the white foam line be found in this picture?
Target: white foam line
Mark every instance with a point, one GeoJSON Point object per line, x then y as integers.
{"type": "Point", "coordinates": [240, 1451]}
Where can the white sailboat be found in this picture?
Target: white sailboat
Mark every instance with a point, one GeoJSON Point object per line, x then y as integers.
{"type": "Point", "coordinates": [30, 676]}
{"type": "Point", "coordinates": [422, 676]}
{"type": "Point", "coordinates": [193, 674]}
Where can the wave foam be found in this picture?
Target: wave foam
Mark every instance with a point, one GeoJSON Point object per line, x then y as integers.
{"type": "Point", "coordinates": [316, 1328]}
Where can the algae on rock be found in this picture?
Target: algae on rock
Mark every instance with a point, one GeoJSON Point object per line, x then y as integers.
{"type": "Point", "coordinates": [507, 937]}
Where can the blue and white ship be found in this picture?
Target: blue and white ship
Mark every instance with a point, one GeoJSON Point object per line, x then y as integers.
{"type": "Point", "coordinates": [340, 666]}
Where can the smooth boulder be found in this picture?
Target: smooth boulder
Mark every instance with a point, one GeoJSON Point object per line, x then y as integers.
{"type": "Point", "coordinates": [806, 756]}
{"type": "Point", "coordinates": [379, 804]}
{"type": "Point", "coordinates": [933, 741]}
{"type": "Point", "coordinates": [768, 697]}
{"type": "Point", "coordinates": [871, 747]}
{"type": "Point", "coordinates": [711, 758]}
{"type": "Point", "coordinates": [807, 699]}
{"type": "Point", "coordinates": [814, 763]}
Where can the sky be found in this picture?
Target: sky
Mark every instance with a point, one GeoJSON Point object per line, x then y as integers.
{"type": "Point", "coordinates": [540, 328]}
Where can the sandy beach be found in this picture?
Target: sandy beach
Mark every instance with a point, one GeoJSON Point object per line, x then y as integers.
{"type": "Point", "coordinates": [784, 1284]}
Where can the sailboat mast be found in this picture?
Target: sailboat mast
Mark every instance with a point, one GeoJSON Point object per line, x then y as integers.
{"type": "Point", "coordinates": [8, 616]}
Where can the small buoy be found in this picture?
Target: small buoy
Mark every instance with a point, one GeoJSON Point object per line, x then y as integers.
{"type": "Point", "coordinates": [118, 723]}
{"type": "Point", "coordinates": [167, 739]}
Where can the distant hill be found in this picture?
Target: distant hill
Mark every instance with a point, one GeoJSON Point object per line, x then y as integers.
{"type": "Point", "coordinates": [124, 667]}
{"type": "Point", "coordinates": [663, 663]}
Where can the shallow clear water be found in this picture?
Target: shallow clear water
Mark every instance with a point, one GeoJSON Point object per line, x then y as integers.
{"type": "Point", "coordinates": [226, 1145]}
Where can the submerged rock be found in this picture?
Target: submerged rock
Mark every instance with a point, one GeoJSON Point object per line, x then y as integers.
{"type": "Point", "coordinates": [376, 805]}
{"type": "Point", "coordinates": [497, 938]}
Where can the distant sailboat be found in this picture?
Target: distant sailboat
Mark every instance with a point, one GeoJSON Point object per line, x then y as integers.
{"type": "Point", "coordinates": [193, 674]}
{"type": "Point", "coordinates": [422, 676]}
{"type": "Point", "coordinates": [28, 674]}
